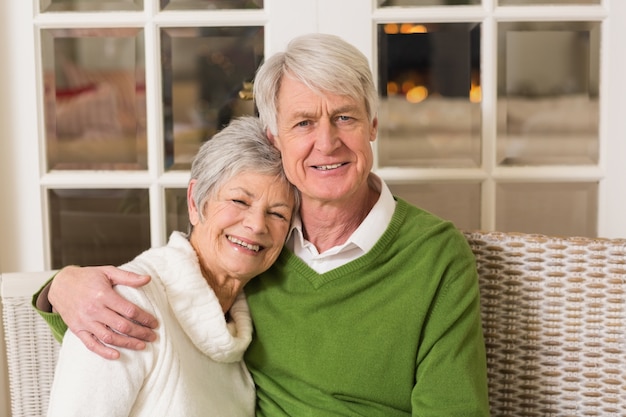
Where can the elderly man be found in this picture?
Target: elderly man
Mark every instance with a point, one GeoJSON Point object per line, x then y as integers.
{"type": "Point", "coordinates": [372, 308]}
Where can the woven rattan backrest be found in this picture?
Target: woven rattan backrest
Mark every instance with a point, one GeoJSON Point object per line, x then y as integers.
{"type": "Point", "coordinates": [554, 318]}
{"type": "Point", "coordinates": [30, 347]}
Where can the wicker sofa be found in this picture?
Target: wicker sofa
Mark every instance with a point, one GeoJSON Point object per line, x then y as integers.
{"type": "Point", "coordinates": [554, 317]}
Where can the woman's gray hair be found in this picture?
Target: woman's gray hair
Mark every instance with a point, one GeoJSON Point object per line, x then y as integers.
{"type": "Point", "coordinates": [324, 63]}
{"type": "Point", "coordinates": [242, 146]}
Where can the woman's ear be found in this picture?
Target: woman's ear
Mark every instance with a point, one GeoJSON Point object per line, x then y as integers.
{"type": "Point", "coordinates": [192, 209]}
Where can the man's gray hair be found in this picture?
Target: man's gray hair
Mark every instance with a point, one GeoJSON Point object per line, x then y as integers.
{"type": "Point", "coordinates": [242, 146]}
{"type": "Point", "coordinates": [324, 63]}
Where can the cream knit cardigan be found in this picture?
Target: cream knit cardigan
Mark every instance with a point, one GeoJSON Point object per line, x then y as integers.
{"type": "Point", "coordinates": [194, 368]}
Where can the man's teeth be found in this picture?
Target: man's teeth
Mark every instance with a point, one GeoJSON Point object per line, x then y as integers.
{"type": "Point", "coordinates": [327, 167]}
{"type": "Point", "coordinates": [244, 244]}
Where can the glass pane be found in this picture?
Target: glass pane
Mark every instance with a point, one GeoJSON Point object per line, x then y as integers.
{"type": "Point", "coordinates": [176, 215]}
{"type": "Point", "coordinates": [95, 109]}
{"type": "Point", "coordinates": [561, 209]}
{"type": "Point", "coordinates": [548, 81]}
{"type": "Point", "coordinates": [391, 3]}
{"type": "Point", "coordinates": [429, 85]}
{"type": "Point", "coordinates": [459, 203]}
{"type": "Point", "coordinates": [210, 4]}
{"type": "Point", "coordinates": [98, 227]}
{"type": "Point", "coordinates": [207, 75]}
{"type": "Point", "coordinates": [89, 5]}
{"type": "Point", "coordinates": [552, 2]}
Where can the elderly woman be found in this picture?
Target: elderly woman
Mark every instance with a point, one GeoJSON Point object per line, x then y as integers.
{"type": "Point", "coordinates": [240, 208]}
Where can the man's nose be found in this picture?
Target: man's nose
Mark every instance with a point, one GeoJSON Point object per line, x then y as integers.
{"type": "Point", "coordinates": [327, 138]}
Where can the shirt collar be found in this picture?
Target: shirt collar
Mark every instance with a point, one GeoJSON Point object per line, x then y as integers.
{"type": "Point", "coordinates": [370, 230]}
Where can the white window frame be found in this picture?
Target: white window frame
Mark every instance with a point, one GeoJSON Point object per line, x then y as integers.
{"type": "Point", "coordinates": [24, 180]}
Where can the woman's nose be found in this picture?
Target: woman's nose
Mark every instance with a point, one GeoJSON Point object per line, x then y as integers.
{"type": "Point", "coordinates": [255, 220]}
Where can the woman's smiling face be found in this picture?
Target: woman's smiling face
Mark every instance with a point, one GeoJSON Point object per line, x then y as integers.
{"type": "Point", "coordinates": [245, 225]}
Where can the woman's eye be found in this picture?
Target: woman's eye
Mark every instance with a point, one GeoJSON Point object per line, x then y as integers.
{"type": "Point", "coordinates": [278, 215]}
{"type": "Point", "coordinates": [239, 202]}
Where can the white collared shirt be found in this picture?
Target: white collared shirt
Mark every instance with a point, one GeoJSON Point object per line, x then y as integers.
{"type": "Point", "coordinates": [359, 243]}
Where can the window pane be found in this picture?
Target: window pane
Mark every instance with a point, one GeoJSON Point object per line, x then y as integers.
{"type": "Point", "coordinates": [391, 3]}
{"type": "Point", "coordinates": [207, 74]}
{"type": "Point", "coordinates": [548, 80]}
{"type": "Point", "coordinates": [429, 83]}
{"type": "Point", "coordinates": [210, 4]}
{"type": "Point", "coordinates": [98, 227]}
{"type": "Point", "coordinates": [95, 110]}
{"type": "Point", "coordinates": [89, 5]}
{"type": "Point", "coordinates": [562, 209]}
{"type": "Point", "coordinates": [459, 203]}
{"type": "Point", "coordinates": [176, 215]}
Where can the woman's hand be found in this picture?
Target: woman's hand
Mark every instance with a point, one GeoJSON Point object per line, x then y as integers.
{"type": "Point", "coordinates": [97, 314]}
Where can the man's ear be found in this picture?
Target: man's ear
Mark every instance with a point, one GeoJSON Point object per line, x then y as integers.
{"type": "Point", "coordinates": [374, 130]}
{"type": "Point", "coordinates": [272, 139]}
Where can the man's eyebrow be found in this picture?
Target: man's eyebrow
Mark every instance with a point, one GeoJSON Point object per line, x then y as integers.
{"type": "Point", "coordinates": [348, 108]}
{"type": "Point", "coordinates": [302, 115]}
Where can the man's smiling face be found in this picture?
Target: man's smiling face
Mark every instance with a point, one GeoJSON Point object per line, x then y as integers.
{"type": "Point", "coordinates": [324, 140]}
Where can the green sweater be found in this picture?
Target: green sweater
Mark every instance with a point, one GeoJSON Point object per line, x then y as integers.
{"type": "Point", "coordinates": [396, 332]}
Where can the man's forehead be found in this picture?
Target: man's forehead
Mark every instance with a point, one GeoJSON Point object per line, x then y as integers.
{"type": "Point", "coordinates": [318, 103]}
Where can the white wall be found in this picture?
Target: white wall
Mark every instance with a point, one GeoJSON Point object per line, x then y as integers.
{"type": "Point", "coordinates": [4, 217]}
{"type": "Point", "coordinates": [18, 137]}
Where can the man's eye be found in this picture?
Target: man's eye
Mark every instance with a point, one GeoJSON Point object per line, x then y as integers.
{"type": "Point", "coordinates": [344, 118]}
{"type": "Point", "coordinates": [303, 123]}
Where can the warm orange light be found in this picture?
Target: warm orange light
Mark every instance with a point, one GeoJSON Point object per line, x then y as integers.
{"type": "Point", "coordinates": [417, 94]}
{"type": "Point", "coordinates": [407, 85]}
{"type": "Point", "coordinates": [391, 28]}
{"type": "Point", "coordinates": [406, 28]}
{"type": "Point", "coordinates": [475, 93]}
{"type": "Point", "coordinates": [392, 88]}
{"type": "Point", "coordinates": [419, 29]}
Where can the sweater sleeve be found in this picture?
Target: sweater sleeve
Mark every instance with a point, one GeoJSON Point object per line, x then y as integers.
{"type": "Point", "coordinates": [86, 384]}
{"type": "Point", "coordinates": [42, 306]}
{"type": "Point", "coordinates": [451, 376]}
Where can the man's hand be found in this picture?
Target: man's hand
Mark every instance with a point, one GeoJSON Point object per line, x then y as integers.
{"type": "Point", "coordinates": [97, 314]}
